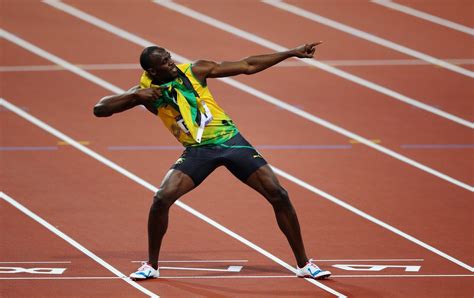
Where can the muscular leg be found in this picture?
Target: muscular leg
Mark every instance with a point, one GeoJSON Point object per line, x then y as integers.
{"type": "Point", "coordinates": [174, 185]}
{"type": "Point", "coordinates": [266, 183]}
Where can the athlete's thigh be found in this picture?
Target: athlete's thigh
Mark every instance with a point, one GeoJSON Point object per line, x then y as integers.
{"type": "Point", "coordinates": [197, 163]}
{"type": "Point", "coordinates": [176, 183]}
{"type": "Point", "coordinates": [264, 181]}
{"type": "Point", "coordinates": [241, 159]}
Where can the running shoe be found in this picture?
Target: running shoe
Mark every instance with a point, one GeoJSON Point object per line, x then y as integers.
{"type": "Point", "coordinates": [145, 272]}
{"type": "Point", "coordinates": [310, 270]}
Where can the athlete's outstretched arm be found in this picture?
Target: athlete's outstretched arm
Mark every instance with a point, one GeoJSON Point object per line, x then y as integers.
{"type": "Point", "coordinates": [208, 69]}
{"type": "Point", "coordinates": [117, 103]}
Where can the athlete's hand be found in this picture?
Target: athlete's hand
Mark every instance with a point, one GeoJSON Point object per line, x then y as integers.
{"type": "Point", "coordinates": [306, 50]}
{"type": "Point", "coordinates": [148, 96]}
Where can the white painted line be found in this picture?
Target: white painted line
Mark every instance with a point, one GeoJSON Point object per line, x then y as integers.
{"type": "Point", "coordinates": [279, 172]}
{"type": "Point", "coordinates": [334, 276]}
{"type": "Point", "coordinates": [371, 260]}
{"type": "Point", "coordinates": [425, 16]}
{"type": "Point", "coordinates": [63, 277]}
{"type": "Point", "coordinates": [252, 91]}
{"type": "Point", "coordinates": [367, 36]}
{"type": "Point", "coordinates": [287, 63]}
{"type": "Point", "coordinates": [229, 269]}
{"type": "Point", "coordinates": [40, 262]}
{"type": "Point", "coordinates": [401, 275]}
{"type": "Point", "coordinates": [198, 261]}
{"type": "Point", "coordinates": [73, 242]}
{"type": "Point", "coordinates": [242, 277]}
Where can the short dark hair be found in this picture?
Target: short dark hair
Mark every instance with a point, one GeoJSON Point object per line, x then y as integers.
{"type": "Point", "coordinates": [146, 56]}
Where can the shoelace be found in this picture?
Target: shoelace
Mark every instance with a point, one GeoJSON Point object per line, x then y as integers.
{"type": "Point", "coordinates": [144, 265]}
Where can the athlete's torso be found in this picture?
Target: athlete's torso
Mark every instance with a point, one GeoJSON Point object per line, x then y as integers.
{"type": "Point", "coordinates": [217, 131]}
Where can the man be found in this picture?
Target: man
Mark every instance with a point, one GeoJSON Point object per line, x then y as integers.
{"type": "Point", "coordinates": [179, 95]}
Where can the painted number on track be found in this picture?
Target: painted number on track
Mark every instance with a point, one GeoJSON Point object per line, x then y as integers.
{"type": "Point", "coordinates": [13, 270]}
{"type": "Point", "coordinates": [360, 267]}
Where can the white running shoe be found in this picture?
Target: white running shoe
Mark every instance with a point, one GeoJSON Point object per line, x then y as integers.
{"type": "Point", "coordinates": [310, 270]}
{"type": "Point", "coordinates": [145, 272]}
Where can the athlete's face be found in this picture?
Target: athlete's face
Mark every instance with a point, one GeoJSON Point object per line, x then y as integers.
{"type": "Point", "coordinates": [164, 69]}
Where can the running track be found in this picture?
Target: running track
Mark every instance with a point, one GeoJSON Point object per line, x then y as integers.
{"type": "Point", "coordinates": [395, 214]}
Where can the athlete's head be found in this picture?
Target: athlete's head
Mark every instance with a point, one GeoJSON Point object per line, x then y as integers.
{"type": "Point", "coordinates": [158, 63]}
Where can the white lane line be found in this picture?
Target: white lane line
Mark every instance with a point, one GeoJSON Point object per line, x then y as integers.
{"type": "Point", "coordinates": [279, 172]}
{"type": "Point", "coordinates": [425, 16]}
{"type": "Point", "coordinates": [151, 187]}
{"type": "Point", "coordinates": [251, 37]}
{"type": "Point", "coordinates": [287, 63]}
{"type": "Point", "coordinates": [228, 269]}
{"type": "Point", "coordinates": [40, 262]}
{"type": "Point", "coordinates": [303, 184]}
{"type": "Point", "coordinates": [198, 261]}
{"type": "Point", "coordinates": [371, 260]}
{"type": "Point", "coordinates": [63, 278]}
{"type": "Point", "coordinates": [367, 36]}
{"type": "Point", "coordinates": [334, 275]}
{"type": "Point", "coordinates": [73, 242]}
{"type": "Point", "coordinates": [241, 277]}
{"type": "Point", "coordinates": [252, 91]}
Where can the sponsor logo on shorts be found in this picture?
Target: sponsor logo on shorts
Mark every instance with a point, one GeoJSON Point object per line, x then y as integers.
{"type": "Point", "coordinates": [180, 161]}
{"type": "Point", "coordinates": [257, 156]}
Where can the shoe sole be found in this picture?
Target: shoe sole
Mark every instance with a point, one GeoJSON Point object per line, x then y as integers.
{"type": "Point", "coordinates": [325, 276]}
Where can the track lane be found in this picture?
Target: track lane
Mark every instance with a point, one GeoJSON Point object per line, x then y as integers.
{"type": "Point", "coordinates": [409, 31]}
{"type": "Point", "coordinates": [454, 11]}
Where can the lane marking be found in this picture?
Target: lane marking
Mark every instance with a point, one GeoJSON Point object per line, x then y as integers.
{"type": "Point", "coordinates": [229, 269]}
{"type": "Point", "coordinates": [151, 187]}
{"type": "Point", "coordinates": [135, 178]}
{"type": "Point", "coordinates": [375, 267]}
{"type": "Point", "coordinates": [268, 147]}
{"type": "Point", "coordinates": [437, 146]}
{"type": "Point", "coordinates": [198, 261]}
{"type": "Point", "coordinates": [371, 260]}
{"type": "Point", "coordinates": [273, 46]}
{"type": "Point", "coordinates": [245, 276]}
{"type": "Point", "coordinates": [287, 63]}
{"type": "Point", "coordinates": [62, 143]}
{"type": "Point", "coordinates": [254, 92]}
{"type": "Point", "coordinates": [15, 270]}
{"type": "Point", "coordinates": [39, 262]}
{"type": "Point", "coordinates": [71, 241]}
{"type": "Point", "coordinates": [425, 16]}
{"type": "Point", "coordinates": [28, 148]}
{"type": "Point", "coordinates": [376, 141]}
{"type": "Point", "coordinates": [367, 36]}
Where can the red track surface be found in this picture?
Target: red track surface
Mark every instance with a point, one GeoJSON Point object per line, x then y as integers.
{"type": "Point", "coordinates": [106, 212]}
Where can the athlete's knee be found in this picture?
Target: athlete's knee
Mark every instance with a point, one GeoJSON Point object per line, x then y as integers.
{"type": "Point", "coordinates": [163, 199]}
{"type": "Point", "coordinates": [279, 197]}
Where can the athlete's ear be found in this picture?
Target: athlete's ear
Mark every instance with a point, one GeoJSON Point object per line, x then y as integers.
{"type": "Point", "coordinates": [151, 71]}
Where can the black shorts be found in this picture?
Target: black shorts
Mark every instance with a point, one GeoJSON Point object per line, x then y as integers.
{"type": "Point", "coordinates": [236, 154]}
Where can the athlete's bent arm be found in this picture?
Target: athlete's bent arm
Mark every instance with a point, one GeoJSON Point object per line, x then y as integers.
{"type": "Point", "coordinates": [117, 103]}
{"type": "Point", "coordinates": [250, 65]}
